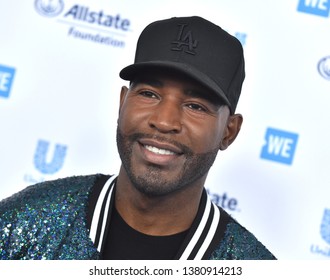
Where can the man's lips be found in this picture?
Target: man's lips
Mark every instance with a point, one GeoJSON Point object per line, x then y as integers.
{"type": "Point", "coordinates": [159, 152]}
{"type": "Point", "coordinates": [160, 147]}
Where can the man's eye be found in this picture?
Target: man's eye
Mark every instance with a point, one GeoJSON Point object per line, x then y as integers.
{"type": "Point", "coordinates": [148, 94]}
{"type": "Point", "coordinates": [196, 107]}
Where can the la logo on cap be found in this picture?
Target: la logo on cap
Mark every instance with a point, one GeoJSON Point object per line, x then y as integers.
{"type": "Point", "coordinates": [185, 41]}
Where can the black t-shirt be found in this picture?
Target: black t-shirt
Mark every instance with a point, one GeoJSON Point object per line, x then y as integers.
{"type": "Point", "coordinates": [125, 243]}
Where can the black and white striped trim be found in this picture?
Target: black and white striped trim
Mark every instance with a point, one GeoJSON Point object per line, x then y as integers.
{"type": "Point", "coordinates": [207, 227]}
{"type": "Point", "coordinates": [101, 212]}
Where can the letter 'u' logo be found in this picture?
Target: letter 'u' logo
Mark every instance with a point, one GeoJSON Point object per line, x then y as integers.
{"type": "Point", "coordinates": [184, 41]}
{"type": "Point", "coordinates": [56, 162]}
{"type": "Point", "coordinates": [325, 226]}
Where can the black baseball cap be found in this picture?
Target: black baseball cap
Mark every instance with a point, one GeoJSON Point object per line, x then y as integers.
{"type": "Point", "coordinates": [195, 47]}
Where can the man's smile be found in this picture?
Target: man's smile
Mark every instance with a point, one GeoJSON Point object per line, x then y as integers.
{"type": "Point", "coordinates": [159, 152]}
{"type": "Point", "coordinates": [161, 145]}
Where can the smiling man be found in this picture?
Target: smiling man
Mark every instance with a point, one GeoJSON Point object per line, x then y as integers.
{"type": "Point", "coordinates": [176, 115]}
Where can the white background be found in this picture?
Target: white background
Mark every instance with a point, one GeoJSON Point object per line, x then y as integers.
{"type": "Point", "coordinates": [66, 91]}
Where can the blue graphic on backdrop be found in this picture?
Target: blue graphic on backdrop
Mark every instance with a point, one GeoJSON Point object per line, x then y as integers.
{"type": "Point", "coordinates": [241, 37]}
{"type": "Point", "coordinates": [315, 7]}
{"type": "Point", "coordinates": [324, 67]}
{"type": "Point", "coordinates": [40, 157]}
{"type": "Point", "coordinates": [6, 80]}
{"type": "Point", "coordinates": [49, 8]}
{"type": "Point", "coordinates": [280, 146]}
{"type": "Point", "coordinates": [325, 226]}
{"type": "Point", "coordinates": [224, 201]}
{"type": "Point", "coordinates": [321, 249]}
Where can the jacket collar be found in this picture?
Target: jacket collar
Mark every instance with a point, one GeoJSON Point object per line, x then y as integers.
{"type": "Point", "coordinates": [204, 234]}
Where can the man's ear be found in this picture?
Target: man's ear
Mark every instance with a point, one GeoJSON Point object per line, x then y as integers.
{"type": "Point", "coordinates": [232, 129]}
{"type": "Point", "coordinates": [123, 93]}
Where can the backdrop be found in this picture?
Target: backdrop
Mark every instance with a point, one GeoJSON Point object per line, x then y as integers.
{"type": "Point", "coordinates": [59, 93]}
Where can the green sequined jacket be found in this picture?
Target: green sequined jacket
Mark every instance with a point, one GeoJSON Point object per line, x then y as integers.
{"type": "Point", "coordinates": [48, 221]}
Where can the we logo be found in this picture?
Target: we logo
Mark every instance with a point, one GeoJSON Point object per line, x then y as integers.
{"type": "Point", "coordinates": [316, 7]}
{"type": "Point", "coordinates": [280, 146]}
{"type": "Point", "coordinates": [6, 79]}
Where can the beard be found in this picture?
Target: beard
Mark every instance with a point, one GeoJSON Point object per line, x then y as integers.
{"type": "Point", "coordinates": [153, 182]}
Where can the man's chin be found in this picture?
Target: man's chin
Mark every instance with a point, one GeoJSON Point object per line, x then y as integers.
{"type": "Point", "coordinates": [155, 184]}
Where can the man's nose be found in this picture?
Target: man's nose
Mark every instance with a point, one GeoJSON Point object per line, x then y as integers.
{"type": "Point", "coordinates": [166, 118]}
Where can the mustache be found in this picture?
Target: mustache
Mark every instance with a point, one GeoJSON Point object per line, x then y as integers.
{"type": "Point", "coordinates": [184, 148]}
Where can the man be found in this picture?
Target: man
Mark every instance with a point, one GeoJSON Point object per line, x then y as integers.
{"type": "Point", "coordinates": [177, 113]}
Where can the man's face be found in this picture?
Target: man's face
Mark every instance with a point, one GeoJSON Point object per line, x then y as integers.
{"type": "Point", "coordinates": [169, 133]}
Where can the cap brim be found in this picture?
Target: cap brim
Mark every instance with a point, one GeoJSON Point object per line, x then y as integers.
{"type": "Point", "coordinates": [130, 72]}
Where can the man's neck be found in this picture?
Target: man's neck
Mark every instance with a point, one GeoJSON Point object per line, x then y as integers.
{"type": "Point", "coordinates": [160, 215]}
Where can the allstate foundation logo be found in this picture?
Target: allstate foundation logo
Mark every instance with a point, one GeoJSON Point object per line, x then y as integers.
{"type": "Point", "coordinates": [324, 67]}
{"type": "Point", "coordinates": [224, 201]}
{"type": "Point", "coordinates": [49, 8]}
{"type": "Point", "coordinates": [86, 23]}
{"type": "Point", "coordinates": [49, 164]}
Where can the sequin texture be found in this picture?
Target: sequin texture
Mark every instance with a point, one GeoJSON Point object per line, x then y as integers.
{"type": "Point", "coordinates": [240, 244]}
{"type": "Point", "coordinates": [47, 221]}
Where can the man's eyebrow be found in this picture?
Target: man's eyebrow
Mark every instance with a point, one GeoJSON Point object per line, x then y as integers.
{"type": "Point", "coordinates": [206, 95]}
{"type": "Point", "coordinates": [195, 93]}
{"type": "Point", "coordinates": [147, 81]}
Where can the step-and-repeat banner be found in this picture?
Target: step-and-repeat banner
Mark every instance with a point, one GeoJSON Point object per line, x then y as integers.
{"type": "Point", "coordinates": [59, 93]}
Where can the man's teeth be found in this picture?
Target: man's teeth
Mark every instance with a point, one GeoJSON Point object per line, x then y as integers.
{"type": "Point", "coordinates": [158, 151]}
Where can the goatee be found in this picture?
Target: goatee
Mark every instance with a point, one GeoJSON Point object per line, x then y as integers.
{"type": "Point", "coordinates": [153, 182]}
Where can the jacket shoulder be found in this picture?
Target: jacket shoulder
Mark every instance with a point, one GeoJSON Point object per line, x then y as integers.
{"type": "Point", "coordinates": [49, 192]}
{"type": "Point", "coordinates": [47, 221]}
{"type": "Point", "coordinates": [240, 244]}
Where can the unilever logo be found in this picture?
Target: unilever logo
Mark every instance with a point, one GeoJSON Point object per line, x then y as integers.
{"type": "Point", "coordinates": [56, 161]}
{"type": "Point", "coordinates": [324, 67]}
{"type": "Point", "coordinates": [325, 226]}
{"type": "Point", "coordinates": [49, 8]}
{"type": "Point", "coordinates": [325, 234]}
